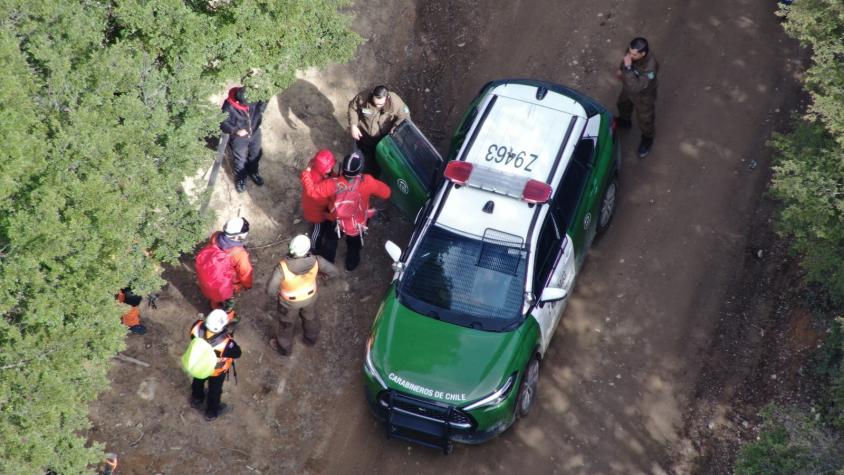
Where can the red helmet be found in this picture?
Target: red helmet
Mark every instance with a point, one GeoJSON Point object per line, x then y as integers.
{"type": "Point", "coordinates": [323, 162]}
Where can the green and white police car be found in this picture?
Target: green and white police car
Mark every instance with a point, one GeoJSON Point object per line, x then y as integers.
{"type": "Point", "coordinates": [500, 233]}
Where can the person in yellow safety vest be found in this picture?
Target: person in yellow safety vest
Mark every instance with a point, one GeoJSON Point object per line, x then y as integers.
{"type": "Point", "coordinates": [213, 329]}
{"type": "Point", "coordinates": [295, 282]}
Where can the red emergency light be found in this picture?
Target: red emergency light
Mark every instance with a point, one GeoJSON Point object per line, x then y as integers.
{"type": "Point", "coordinates": [489, 179]}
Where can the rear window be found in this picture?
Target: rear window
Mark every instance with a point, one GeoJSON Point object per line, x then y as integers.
{"type": "Point", "coordinates": [474, 282]}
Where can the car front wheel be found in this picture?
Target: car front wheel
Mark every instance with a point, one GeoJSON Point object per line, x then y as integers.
{"type": "Point", "coordinates": [528, 388]}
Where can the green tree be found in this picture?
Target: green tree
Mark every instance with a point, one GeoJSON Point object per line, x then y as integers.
{"type": "Point", "coordinates": [105, 105]}
{"type": "Point", "coordinates": [809, 176]}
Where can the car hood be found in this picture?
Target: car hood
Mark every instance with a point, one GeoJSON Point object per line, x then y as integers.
{"type": "Point", "coordinates": [422, 356]}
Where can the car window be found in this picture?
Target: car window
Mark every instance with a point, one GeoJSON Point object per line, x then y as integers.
{"type": "Point", "coordinates": [545, 254]}
{"type": "Point", "coordinates": [425, 159]}
{"type": "Point", "coordinates": [584, 152]}
{"type": "Point", "coordinates": [470, 281]}
{"type": "Point", "coordinates": [564, 203]}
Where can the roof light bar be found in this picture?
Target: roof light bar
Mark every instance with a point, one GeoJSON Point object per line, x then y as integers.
{"type": "Point", "coordinates": [490, 179]}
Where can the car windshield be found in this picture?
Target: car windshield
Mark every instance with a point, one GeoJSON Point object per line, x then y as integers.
{"type": "Point", "coordinates": [476, 282]}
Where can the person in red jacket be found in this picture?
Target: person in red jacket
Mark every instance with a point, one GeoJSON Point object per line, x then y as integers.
{"type": "Point", "coordinates": [230, 240]}
{"type": "Point", "coordinates": [316, 210]}
{"type": "Point", "coordinates": [366, 185]}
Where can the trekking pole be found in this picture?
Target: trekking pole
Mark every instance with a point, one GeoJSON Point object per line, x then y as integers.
{"type": "Point", "coordinates": [215, 170]}
{"type": "Point", "coordinates": [234, 370]}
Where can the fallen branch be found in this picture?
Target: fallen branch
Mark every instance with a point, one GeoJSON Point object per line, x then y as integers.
{"type": "Point", "coordinates": [137, 441]}
{"type": "Point", "coordinates": [129, 359]}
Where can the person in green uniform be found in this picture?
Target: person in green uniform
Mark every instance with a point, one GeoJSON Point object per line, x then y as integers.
{"type": "Point", "coordinates": [638, 73]}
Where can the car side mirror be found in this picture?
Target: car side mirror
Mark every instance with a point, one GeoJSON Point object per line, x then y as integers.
{"type": "Point", "coordinates": [393, 250]}
{"type": "Point", "coordinates": [553, 294]}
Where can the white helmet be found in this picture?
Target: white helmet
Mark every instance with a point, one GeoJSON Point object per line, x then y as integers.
{"type": "Point", "coordinates": [236, 228]}
{"type": "Point", "coordinates": [216, 320]}
{"type": "Point", "coordinates": [300, 246]}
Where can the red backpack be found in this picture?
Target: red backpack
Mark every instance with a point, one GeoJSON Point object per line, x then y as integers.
{"type": "Point", "coordinates": [215, 273]}
{"type": "Point", "coordinates": [348, 207]}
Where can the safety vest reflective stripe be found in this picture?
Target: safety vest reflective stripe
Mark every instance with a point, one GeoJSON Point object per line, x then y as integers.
{"type": "Point", "coordinates": [218, 344]}
{"type": "Point", "coordinates": [298, 287]}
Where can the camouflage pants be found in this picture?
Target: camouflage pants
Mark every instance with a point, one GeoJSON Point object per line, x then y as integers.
{"type": "Point", "coordinates": [643, 104]}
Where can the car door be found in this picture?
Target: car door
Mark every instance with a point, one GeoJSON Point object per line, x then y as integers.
{"type": "Point", "coordinates": [554, 267]}
{"type": "Point", "coordinates": [410, 165]}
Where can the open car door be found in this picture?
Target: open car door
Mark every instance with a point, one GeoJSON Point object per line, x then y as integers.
{"type": "Point", "coordinates": [410, 165]}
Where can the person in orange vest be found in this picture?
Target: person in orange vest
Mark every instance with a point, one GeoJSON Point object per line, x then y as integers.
{"type": "Point", "coordinates": [317, 210]}
{"type": "Point", "coordinates": [132, 317]}
{"type": "Point", "coordinates": [213, 329]}
{"type": "Point", "coordinates": [295, 282]}
{"type": "Point", "coordinates": [231, 240]}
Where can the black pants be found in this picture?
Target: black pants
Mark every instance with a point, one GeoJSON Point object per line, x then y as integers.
{"type": "Point", "coordinates": [215, 391]}
{"type": "Point", "coordinates": [366, 146]}
{"type": "Point", "coordinates": [319, 233]}
{"type": "Point", "coordinates": [328, 246]}
{"type": "Point", "coordinates": [246, 153]}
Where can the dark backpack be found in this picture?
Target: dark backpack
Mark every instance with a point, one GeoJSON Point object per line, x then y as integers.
{"type": "Point", "coordinates": [349, 210]}
{"type": "Point", "coordinates": [215, 273]}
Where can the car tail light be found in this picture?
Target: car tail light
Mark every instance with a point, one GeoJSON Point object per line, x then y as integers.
{"type": "Point", "coordinates": [490, 179]}
{"type": "Point", "coordinates": [536, 191]}
{"type": "Point", "coordinates": [458, 172]}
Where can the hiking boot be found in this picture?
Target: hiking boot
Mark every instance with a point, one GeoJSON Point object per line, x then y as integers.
{"type": "Point", "coordinates": [274, 345]}
{"type": "Point", "coordinates": [623, 123]}
{"type": "Point", "coordinates": [210, 416]}
{"type": "Point", "coordinates": [352, 262]}
{"type": "Point", "coordinates": [308, 340]}
{"type": "Point", "coordinates": [258, 179]}
{"type": "Point", "coordinates": [645, 146]}
{"type": "Point", "coordinates": [138, 329]}
{"type": "Point", "coordinates": [240, 186]}
{"type": "Point", "coordinates": [196, 403]}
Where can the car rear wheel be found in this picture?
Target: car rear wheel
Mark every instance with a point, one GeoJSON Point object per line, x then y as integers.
{"type": "Point", "coordinates": [528, 388]}
{"type": "Point", "coordinates": [608, 204]}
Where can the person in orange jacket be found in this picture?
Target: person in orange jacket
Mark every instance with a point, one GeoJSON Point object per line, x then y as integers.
{"type": "Point", "coordinates": [132, 317]}
{"type": "Point", "coordinates": [327, 189]}
{"type": "Point", "coordinates": [317, 210]}
{"type": "Point", "coordinates": [231, 240]}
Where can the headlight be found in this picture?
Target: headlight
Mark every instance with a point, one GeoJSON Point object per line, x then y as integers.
{"type": "Point", "coordinates": [369, 366]}
{"type": "Point", "coordinates": [496, 397]}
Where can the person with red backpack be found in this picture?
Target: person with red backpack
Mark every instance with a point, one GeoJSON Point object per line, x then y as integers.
{"type": "Point", "coordinates": [223, 268]}
{"type": "Point", "coordinates": [317, 211]}
{"type": "Point", "coordinates": [350, 194]}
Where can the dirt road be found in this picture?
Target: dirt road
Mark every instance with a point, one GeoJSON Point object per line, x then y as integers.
{"type": "Point", "coordinates": [620, 376]}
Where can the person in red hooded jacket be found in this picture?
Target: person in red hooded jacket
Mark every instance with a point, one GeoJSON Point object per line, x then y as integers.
{"type": "Point", "coordinates": [317, 210]}
{"type": "Point", "coordinates": [366, 185]}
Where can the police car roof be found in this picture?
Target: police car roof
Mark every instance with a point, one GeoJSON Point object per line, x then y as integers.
{"type": "Point", "coordinates": [517, 133]}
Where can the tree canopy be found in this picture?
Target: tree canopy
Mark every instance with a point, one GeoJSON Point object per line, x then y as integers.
{"type": "Point", "coordinates": [105, 108]}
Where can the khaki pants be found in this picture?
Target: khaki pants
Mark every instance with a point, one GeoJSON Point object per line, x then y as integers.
{"type": "Point", "coordinates": [287, 322]}
{"type": "Point", "coordinates": [644, 105]}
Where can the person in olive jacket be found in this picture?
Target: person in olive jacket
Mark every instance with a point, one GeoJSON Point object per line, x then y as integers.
{"type": "Point", "coordinates": [372, 115]}
{"type": "Point", "coordinates": [243, 125]}
{"type": "Point", "coordinates": [638, 73]}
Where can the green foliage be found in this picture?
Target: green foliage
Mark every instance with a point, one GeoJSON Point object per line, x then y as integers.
{"type": "Point", "coordinates": [834, 346]}
{"type": "Point", "coordinates": [791, 442]}
{"type": "Point", "coordinates": [105, 108]}
{"type": "Point", "coordinates": [809, 176]}
{"type": "Point", "coordinates": [819, 25]}
{"type": "Point", "coordinates": [809, 181]}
